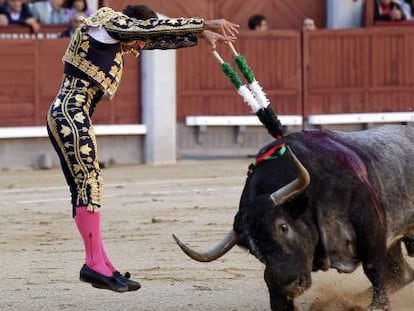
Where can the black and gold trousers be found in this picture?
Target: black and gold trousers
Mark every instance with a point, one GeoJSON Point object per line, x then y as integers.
{"type": "Point", "coordinates": [71, 132]}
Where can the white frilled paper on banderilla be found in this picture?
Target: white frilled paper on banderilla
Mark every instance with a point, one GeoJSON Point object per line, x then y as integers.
{"type": "Point", "coordinates": [252, 92]}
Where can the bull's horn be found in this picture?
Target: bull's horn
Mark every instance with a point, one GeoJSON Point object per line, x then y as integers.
{"type": "Point", "coordinates": [295, 187]}
{"type": "Point", "coordinates": [216, 252]}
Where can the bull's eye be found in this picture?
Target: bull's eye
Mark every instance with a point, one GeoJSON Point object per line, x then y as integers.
{"type": "Point", "coordinates": [283, 228]}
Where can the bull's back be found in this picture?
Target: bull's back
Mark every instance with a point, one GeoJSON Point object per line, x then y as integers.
{"type": "Point", "coordinates": [387, 155]}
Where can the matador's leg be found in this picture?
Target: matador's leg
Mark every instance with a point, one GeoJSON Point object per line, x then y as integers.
{"type": "Point", "coordinates": [72, 135]}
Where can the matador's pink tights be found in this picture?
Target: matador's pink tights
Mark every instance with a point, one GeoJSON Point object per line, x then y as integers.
{"type": "Point", "coordinates": [107, 261]}
{"type": "Point", "coordinates": [88, 224]}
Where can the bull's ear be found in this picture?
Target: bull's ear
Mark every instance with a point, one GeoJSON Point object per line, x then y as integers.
{"type": "Point", "coordinates": [298, 206]}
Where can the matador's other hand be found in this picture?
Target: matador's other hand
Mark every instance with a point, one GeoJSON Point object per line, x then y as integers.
{"type": "Point", "coordinates": [212, 37]}
{"type": "Point", "coordinates": [222, 26]}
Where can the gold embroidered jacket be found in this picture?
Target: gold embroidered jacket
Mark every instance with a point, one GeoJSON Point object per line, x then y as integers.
{"type": "Point", "coordinates": [103, 63]}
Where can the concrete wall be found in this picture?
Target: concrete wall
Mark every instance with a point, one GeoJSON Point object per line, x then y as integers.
{"type": "Point", "coordinates": [221, 141]}
{"type": "Point", "coordinates": [25, 153]}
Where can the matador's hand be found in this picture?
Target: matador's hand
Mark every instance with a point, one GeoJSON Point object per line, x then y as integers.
{"type": "Point", "coordinates": [212, 37]}
{"type": "Point", "coordinates": [222, 26]}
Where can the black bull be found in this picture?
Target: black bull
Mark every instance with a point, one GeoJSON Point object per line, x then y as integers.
{"type": "Point", "coordinates": [338, 200]}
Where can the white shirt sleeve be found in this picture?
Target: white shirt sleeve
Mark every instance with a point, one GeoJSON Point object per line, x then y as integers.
{"type": "Point", "coordinates": [101, 35]}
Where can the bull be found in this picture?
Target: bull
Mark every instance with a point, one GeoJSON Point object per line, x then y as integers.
{"type": "Point", "coordinates": [332, 200]}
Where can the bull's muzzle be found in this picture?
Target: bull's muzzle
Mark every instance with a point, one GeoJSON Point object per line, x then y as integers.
{"type": "Point", "coordinates": [291, 286]}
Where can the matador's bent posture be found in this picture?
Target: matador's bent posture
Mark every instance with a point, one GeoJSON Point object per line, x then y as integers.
{"type": "Point", "coordinates": [93, 65]}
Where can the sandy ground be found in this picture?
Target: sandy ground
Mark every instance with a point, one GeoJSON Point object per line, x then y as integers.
{"type": "Point", "coordinates": [41, 252]}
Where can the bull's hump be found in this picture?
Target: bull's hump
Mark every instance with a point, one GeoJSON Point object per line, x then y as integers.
{"type": "Point", "coordinates": [333, 145]}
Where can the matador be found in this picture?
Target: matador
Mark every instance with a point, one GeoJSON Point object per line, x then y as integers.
{"type": "Point", "coordinates": [93, 64]}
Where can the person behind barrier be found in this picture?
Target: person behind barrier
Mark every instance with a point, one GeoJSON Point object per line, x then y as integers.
{"type": "Point", "coordinates": [93, 66]}
{"type": "Point", "coordinates": [18, 13]}
{"type": "Point", "coordinates": [258, 22]}
{"type": "Point", "coordinates": [308, 24]}
{"type": "Point", "coordinates": [49, 12]}
{"type": "Point", "coordinates": [76, 6]}
{"type": "Point", "coordinates": [408, 8]}
{"type": "Point", "coordinates": [388, 10]}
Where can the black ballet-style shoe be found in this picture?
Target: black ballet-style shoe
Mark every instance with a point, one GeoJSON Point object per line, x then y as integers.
{"type": "Point", "coordinates": [132, 285]}
{"type": "Point", "coordinates": [99, 280]}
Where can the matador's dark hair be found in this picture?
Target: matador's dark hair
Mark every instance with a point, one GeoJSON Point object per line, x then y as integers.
{"type": "Point", "coordinates": [141, 12]}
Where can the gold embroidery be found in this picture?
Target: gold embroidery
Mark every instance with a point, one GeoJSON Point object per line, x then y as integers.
{"type": "Point", "coordinates": [118, 76]}
{"type": "Point", "coordinates": [122, 22]}
{"type": "Point", "coordinates": [65, 131]}
{"type": "Point", "coordinates": [146, 23]}
{"type": "Point", "coordinates": [118, 59]}
{"type": "Point", "coordinates": [76, 168]}
{"type": "Point", "coordinates": [100, 75]}
{"type": "Point", "coordinates": [113, 71]}
{"type": "Point", "coordinates": [85, 45]}
{"type": "Point", "coordinates": [174, 21]}
{"type": "Point", "coordinates": [107, 83]}
{"type": "Point", "coordinates": [79, 117]}
{"type": "Point", "coordinates": [85, 149]}
{"type": "Point", "coordinates": [57, 103]}
{"type": "Point", "coordinates": [79, 98]}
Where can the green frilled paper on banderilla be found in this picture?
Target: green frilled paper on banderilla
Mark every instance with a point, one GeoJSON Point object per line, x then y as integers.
{"type": "Point", "coordinates": [244, 68]}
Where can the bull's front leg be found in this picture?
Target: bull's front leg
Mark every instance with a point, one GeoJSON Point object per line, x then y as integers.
{"type": "Point", "coordinates": [280, 302]}
{"type": "Point", "coordinates": [398, 273]}
{"type": "Point", "coordinates": [375, 271]}
{"type": "Point", "coordinates": [372, 249]}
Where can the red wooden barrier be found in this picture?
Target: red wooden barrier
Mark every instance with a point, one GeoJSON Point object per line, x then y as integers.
{"type": "Point", "coordinates": [330, 71]}
{"type": "Point", "coordinates": [359, 70]}
{"type": "Point", "coordinates": [30, 77]}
